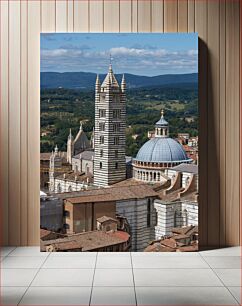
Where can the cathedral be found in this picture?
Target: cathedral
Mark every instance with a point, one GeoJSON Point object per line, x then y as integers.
{"type": "Point", "coordinates": [100, 161]}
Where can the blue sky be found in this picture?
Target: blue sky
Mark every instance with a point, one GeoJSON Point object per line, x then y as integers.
{"type": "Point", "coordinates": [142, 54]}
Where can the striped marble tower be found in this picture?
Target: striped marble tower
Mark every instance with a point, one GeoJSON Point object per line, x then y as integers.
{"type": "Point", "coordinates": [110, 119]}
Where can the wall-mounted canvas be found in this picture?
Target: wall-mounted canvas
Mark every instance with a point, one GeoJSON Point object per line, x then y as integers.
{"type": "Point", "coordinates": [119, 142]}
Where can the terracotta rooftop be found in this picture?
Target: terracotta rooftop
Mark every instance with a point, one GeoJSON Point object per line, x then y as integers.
{"type": "Point", "coordinates": [188, 230]}
{"type": "Point", "coordinates": [76, 176]}
{"type": "Point", "coordinates": [115, 193]}
{"type": "Point", "coordinates": [105, 218]}
{"type": "Point", "coordinates": [88, 241]}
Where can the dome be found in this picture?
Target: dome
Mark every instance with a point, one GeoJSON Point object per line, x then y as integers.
{"type": "Point", "coordinates": [160, 149]}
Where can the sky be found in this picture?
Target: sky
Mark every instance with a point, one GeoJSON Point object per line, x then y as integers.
{"type": "Point", "coordinates": [147, 54]}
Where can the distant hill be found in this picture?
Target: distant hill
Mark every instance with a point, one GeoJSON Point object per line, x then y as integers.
{"type": "Point", "coordinates": [86, 80]}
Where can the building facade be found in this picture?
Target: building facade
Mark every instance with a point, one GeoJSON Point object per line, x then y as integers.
{"type": "Point", "coordinates": [110, 121]}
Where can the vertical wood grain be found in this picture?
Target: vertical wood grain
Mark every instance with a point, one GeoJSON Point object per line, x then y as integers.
{"type": "Point", "coordinates": [191, 15]}
{"type": "Point", "coordinates": [232, 122]}
{"type": "Point", "coordinates": [24, 122]}
{"type": "Point", "coordinates": [14, 122]}
{"type": "Point", "coordinates": [48, 16]}
{"type": "Point", "coordinates": [157, 16]}
{"type": "Point", "coordinates": [125, 16]}
{"type": "Point", "coordinates": [171, 15]}
{"type": "Point", "coordinates": [111, 16]}
{"type": "Point", "coordinates": [213, 124]}
{"type": "Point", "coordinates": [96, 15]}
{"type": "Point", "coordinates": [61, 16]}
{"type": "Point", "coordinates": [81, 15]}
{"type": "Point", "coordinates": [144, 16]}
{"type": "Point", "coordinates": [182, 16]}
{"type": "Point", "coordinates": [4, 131]}
{"type": "Point", "coordinates": [222, 121]}
{"type": "Point", "coordinates": [134, 20]}
{"type": "Point", "coordinates": [201, 28]}
{"type": "Point", "coordinates": [33, 212]}
{"type": "Point", "coordinates": [70, 15]}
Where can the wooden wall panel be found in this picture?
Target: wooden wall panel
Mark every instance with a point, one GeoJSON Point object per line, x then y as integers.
{"type": "Point", "coordinates": [134, 20]}
{"type": "Point", "coordinates": [217, 24]}
{"type": "Point", "coordinates": [111, 16]}
{"type": "Point", "coordinates": [201, 28]}
{"type": "Point", "coordinates": [14, 121]}
{"type": "Point", "coordinates": [125, 15]}
{"type": "Point", "coordinates": [213, 123]}
{"type": "Point", "coordinates": [4, 131]}
{"type": "Point", "coordinates": [96, 15]}
{"type": "Point", "coordinates": [232, 122]}
{"type": "Point", "coordinates": [33, 92]}
{"type": "Point", "coordinates": [144, 15]}
{"type": "Point", "coordinates": [182, 15]}
{"type": "Point", "coordinates": [81, 16]}
{"type": "Point", "coordinates": [70, 15]}
{"type": "Point", "coordinates": [222, 121]}
{"type": "Point", "coordinates": [171, 15]}
{"type": "Point", "coordinates": [157, 12]}
{"type": "Point", "coordinates": [48, 16]}
{"type": "Point", "coordinates": [24, 122]}
{"type": "Point", "coordinates": [191, 15]}
{"type": "Point", "coordinates": [61, 16]}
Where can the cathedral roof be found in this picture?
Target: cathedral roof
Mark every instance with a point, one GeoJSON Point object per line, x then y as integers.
{"type": "Point", "coordinates": [160, 149]}
{"type": "Point", "coordinates": [110, 79]}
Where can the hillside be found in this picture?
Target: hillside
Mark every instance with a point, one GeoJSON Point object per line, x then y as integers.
{"type": "Point", "coordinates": [86, 80]}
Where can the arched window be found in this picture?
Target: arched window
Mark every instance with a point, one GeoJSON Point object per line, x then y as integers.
{"type": "Point", "coordinates": [59, 187]}
{"type": "Point", "coordinates": [185, 217]}
{"type": "Point", "coordinates": [69, 188]}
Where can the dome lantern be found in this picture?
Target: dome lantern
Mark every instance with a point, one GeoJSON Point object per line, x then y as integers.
{"type": "Point", "coordinates": [162, 127]}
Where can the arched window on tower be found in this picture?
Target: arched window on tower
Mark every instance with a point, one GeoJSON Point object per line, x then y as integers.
{"type": "Point", "coordinates": [59, 187]}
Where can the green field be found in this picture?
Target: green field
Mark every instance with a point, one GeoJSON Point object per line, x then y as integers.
{"type": "Point", "coordinates": [62, 109]}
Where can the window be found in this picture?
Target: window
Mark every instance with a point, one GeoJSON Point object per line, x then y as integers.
{"type": "Point", "coordinates": [59, 188]}
{"type": "Point", "coordinates": [102, 113]}
{"type": "Point", "coordinates": [116, 127]}
{"type": "Point", "coordinates": [116, 140]}
{"type": "Point", "coordinates": [67, 214]}
{"type": "Point", "coordinates": [102, 139]}
{"type": "Point", "coordinates": [116, 113]}
{"type": "Point", "coordinates": [102, 126]}
{"type": "Point", "coordinates": [69, 188]}
{"type": "Point", "coordinates": [148, 212]}
{"type": "Point", "coordinates": [101, 165]}
{"type": "Point", "coordinates": [101, 153]}
{"type": "Point", "coordinates": [116, 98]}
{"type": "Point", "coordinates": [116, 153]}
{"type": "Point", "coordinates": [66, 226]}
{"type": "Point", "coordinates": [116, 165]}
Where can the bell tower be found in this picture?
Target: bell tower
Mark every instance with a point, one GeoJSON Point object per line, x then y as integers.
{"type": "Point", "coordinates": [110, 123]}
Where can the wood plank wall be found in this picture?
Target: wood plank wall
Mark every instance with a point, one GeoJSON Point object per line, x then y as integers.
{"type": "Point", "coordinates": [217, 23]}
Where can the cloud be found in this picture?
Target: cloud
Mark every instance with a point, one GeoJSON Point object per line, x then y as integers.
{"type": "Point", "coordinates": [137, 60]}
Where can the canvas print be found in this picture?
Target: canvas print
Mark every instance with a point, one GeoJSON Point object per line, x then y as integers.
{"type": "Point", "coordinates": [119, 142]}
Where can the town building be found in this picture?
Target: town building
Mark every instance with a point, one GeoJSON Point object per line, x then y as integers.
{"type": "Point", "coordinates": [110, 122]}
{"type": "Point", "coordinates": [177, 206]}
{"type": "Point", "coordinates": [107, 238]}
{"type": "Point", "coordinates": [182, 239]}
{"type": "Point", "coordinates": [158, 154]}
{"type": "Point", "coordinates": [133, 201]}
{"type": "Point", "coordinates": [51, 213]}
